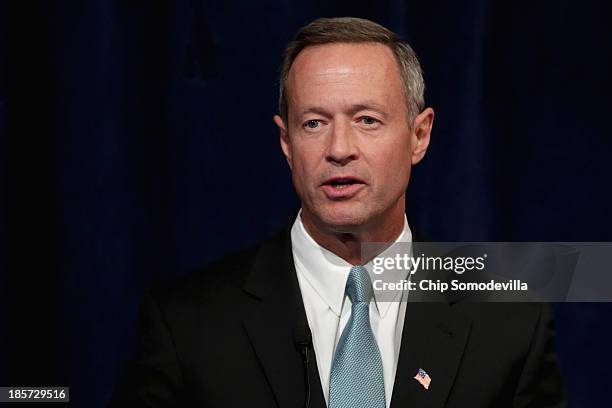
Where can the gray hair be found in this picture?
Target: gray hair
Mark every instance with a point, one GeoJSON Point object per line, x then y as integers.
{"type": "Point", "coordinates": [357, 30]}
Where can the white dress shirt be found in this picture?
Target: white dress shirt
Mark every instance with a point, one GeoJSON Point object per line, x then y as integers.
{"type": "Point", "coordinates": [322, 277]}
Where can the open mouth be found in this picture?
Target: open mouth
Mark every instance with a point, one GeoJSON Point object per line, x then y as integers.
{"type": "Point", "coordinates": [342, 188]}
{"type": "Point", "coordinates": [342, 182]}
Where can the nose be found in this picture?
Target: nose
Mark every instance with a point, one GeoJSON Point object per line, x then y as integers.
{"type": "Point", "coordinates": [341, 147]}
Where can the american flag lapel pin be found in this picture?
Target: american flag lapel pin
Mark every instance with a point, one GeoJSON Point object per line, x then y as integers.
{"type": "Point", "coordinates": [423, 378]}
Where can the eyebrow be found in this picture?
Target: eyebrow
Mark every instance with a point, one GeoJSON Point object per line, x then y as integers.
{"type": "Point", "coordinates": [352, 109]}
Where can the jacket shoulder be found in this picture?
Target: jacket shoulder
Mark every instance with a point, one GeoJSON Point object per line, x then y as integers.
{"type": "Point", "coordinates": [224, 275]}
{"type": "Point", "coordinates": [219, 280]}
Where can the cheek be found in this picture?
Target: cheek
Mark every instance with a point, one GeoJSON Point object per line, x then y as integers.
{"type": "Point", "coordinates": [395, 160]}
{"type": "Point", "coordinates": [305, 162]}
{"type": "Point", "coordinates": [392, 171]}
{"type": "Point", "coordinates": [303, 172]}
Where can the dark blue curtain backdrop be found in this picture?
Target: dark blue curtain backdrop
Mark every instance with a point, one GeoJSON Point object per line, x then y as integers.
{"type": "Point", "coordinates": [136, 142]}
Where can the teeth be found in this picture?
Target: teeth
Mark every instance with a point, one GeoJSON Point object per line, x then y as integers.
{"type": "Point", "coordinates": [339, 185]}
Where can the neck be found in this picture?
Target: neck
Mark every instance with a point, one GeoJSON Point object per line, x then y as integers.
{"type": "Point", "coordinates": [347, 242]}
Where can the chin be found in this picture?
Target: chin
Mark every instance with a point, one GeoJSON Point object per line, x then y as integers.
{"type": "Point", "coordinates": [343, 220]}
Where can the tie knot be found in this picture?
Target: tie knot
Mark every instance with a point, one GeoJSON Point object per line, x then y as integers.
{"type": "Point", "coordinates": [358, 285]}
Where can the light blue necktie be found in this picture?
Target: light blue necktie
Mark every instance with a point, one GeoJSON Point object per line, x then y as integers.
{"type": "Point", "coordinates": [356, 379]}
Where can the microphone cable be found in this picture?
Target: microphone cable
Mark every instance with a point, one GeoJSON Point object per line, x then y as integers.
{"type": "Point", "coordinates": [303, 342]}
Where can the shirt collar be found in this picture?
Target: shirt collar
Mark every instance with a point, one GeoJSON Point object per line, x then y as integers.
{"type": "Point", "coordinates": [326, 271]}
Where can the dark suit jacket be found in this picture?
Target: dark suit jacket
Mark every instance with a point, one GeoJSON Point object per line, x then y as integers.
{"type": "Point", "coordinates": [224, 337]}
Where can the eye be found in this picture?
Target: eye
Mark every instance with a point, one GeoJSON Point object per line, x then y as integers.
{"type": "Point", "coordinates": [369, 121]}
{"type": "Point", "coordinates": [312, 124]}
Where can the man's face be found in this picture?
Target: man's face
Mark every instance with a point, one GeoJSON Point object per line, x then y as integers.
{"type": "Point", "coordinates": [348, 141]}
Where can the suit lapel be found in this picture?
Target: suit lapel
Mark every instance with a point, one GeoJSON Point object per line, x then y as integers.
{"type": "Point", "coordinates": [433, 338]}
{"type": "Point", "coordinates": [270, 315]}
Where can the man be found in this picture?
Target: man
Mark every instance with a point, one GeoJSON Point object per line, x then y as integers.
{"type": "Point", "coordinates": [243, 331]}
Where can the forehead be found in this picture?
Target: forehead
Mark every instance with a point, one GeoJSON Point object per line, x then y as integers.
{"type": "Point", "coordinates": [366, 70]}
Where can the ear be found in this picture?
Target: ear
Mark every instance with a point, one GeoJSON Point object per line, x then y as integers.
{"type": "Point", "coordinates": [284, 139]}
{"type": "Point", "coordinates": [421, 133]}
